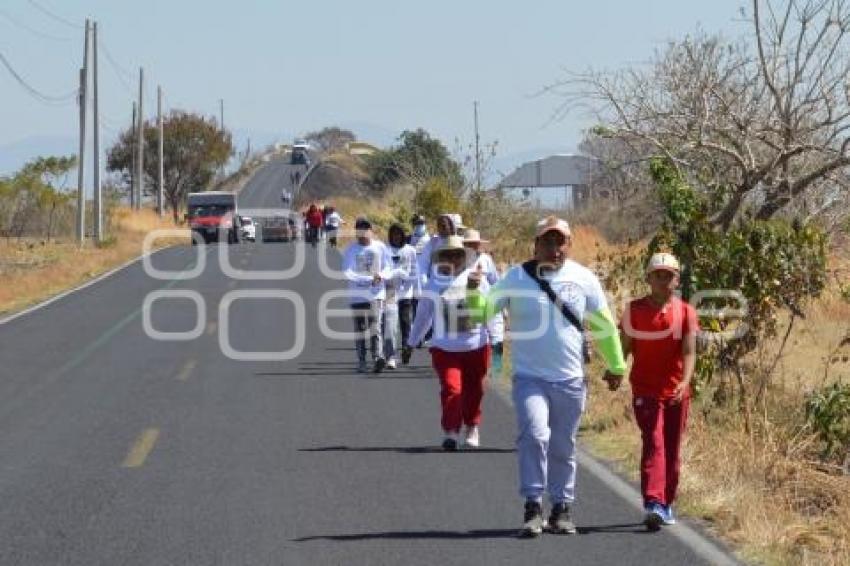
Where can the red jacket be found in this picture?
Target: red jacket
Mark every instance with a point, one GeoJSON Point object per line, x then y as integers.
{"type": "Point", "coordinates": [314, 218]}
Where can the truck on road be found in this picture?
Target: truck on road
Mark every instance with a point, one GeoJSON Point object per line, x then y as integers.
{"type": "Point", "coordinates": [213, 214]}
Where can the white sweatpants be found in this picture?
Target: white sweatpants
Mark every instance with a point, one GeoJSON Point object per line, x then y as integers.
{"type": "Point", "coordinates": [548, 415]}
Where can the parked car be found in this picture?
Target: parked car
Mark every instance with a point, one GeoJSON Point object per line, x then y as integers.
{"type": "Point", "coordinates": [249, 229]}
{"type": "Point", "coordinates": [278, 229]}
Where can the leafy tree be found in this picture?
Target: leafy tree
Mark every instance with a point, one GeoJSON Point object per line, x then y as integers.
{"type": "Point", "coordinates": [330, 139]}
{"type": "Point", "coordinates": [31, 199]}
{"type": "Point", "coordinates": [416, 160]}
{"type": "Point", "coordinates": [194, 149]}
{"type": "Point", "coordinates": [773, 264]}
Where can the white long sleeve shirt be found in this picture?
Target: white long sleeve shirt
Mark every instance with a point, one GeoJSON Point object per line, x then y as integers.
{"type": "Point", "coordinates": [442, 306]}
{"type": "Point", "coordinates": [404, 278]}
{"type": "Point", "coordinates": [360, 264]}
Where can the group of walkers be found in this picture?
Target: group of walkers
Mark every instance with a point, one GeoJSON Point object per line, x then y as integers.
{"type": "Point", "coordinates": [445, 291]}
{"type": "Point", "coordinates": [322, 222]}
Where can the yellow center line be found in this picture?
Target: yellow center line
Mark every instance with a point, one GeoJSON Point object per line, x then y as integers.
{"type": "Point", "coordinates": [187, 368]}
{"type": "Point", "coordinates": [142, 447]}
{"type": "Point", "coordinates": [211, 327]}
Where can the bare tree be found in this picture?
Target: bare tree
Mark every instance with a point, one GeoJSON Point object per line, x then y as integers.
{"type": "Point", "coordinates": [758, 124]}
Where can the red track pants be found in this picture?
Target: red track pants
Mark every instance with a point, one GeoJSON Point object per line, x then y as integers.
{"type": "Point", "coordinates": [461, 385]}
{"type": "Point", "coordinates": [662, 426]}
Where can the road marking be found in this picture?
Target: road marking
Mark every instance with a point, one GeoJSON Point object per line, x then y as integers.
{"type": "Point", "coordinates": [211, 327]}
{"type": "Point", "coordinates": [142, 447]}
{"type": "Point", "coordinates": [232, 284]}
{"type": "Point", "coordinates": [187, 369]}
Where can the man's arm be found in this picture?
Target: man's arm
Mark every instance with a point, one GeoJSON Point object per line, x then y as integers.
{"type": "Point", "coordinates": [689, 357]}
{"type": "Point", "coordinates": [607, 340]}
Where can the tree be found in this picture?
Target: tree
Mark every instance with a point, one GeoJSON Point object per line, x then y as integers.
{"type": "Point", "coordinates": [417, 160]}
{"type": "Point", "coordinates": [194, 149]}
{"type": "Point", "coordinates": [756, 125]}
{"type": "Point", "coordinates": [31, 199]}
{"type": "Point", "coordinates": [330, 139]}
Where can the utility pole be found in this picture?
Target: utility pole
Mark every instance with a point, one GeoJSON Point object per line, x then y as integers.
{"type": "Point", "coordinates": [98, 198]}
{"type": "Point", "coordinates": [140, 141]}
{"type": "Point", "coordinates": [81, 189]}
{"type": "Point", "coordinates": [221, 125]}
{"type": "Point", "coordinates": [161, 176]}
{"type": "Point", "coordinates": [477, 152]}
{"type": "Point", "coordinates": [133, 159]}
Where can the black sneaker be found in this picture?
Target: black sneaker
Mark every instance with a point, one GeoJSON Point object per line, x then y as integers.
{"type": "Point", "coordinates": [406, 352]}
{"type": "Point", "coordinates": [380, 363]}
{"type": "Point", "coordinates": [532, 525]}
{"type": "Point", "coordinates": [559, 520]}
{"type": "Point", "coordinates": [450, 442]}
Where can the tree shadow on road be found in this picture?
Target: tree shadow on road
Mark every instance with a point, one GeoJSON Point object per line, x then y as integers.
{"type": "Point", "coordinates": [406, 449]}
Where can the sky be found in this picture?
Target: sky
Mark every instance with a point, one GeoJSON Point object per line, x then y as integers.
{"type": "Point", "coordinates": [376, 66]}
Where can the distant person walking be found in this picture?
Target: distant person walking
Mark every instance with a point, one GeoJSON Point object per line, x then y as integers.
{"type": "Point", "coordinates": [495, 326]}
{"type": "Point", "coordinates": [459, 349]}
{"type": "Point", "coordinates": [333, 221]}
{"type": "Point", "coordinates": [660, 330]}
{"type": "Point", "coordinates": [548, 300]}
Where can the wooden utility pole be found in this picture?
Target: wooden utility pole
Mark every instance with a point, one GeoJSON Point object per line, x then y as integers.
{"type": "Point", "coordinates": [98, 199]}
{"type": "Point", "coordinates": [477, 151]}
{"type": "Point", "coordinates": [160, 200]}
{"type": "Point", "coordinates": [81, 165]}
{"type": "Point", "coordinates": [140, 143]}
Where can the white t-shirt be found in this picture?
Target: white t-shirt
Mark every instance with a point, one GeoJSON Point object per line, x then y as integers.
{"type": "Point", "coordinates": [405, 272]}
{"type": "Point", "coordinates": [360, 264]}
{"type": "Point", "coordinates": [442, 305]}
{"type": "Point", "coordinates": [333, 220]}
{"type": "Point", "coordinates": [544, 344]}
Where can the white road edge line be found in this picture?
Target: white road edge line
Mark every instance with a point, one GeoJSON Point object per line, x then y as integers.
{"type": "Point", "coordinates": [699, 543]}
{"type": "Point", "coordinates": [64, 294]}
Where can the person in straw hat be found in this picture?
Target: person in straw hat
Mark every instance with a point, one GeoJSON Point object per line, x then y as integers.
{"type": "Point", "coordinates": [495, 326]}
{"type": "Point", "coordinates": [459, 347]}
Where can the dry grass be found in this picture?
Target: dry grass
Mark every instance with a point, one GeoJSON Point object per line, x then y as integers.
{"type": "Point", "coordinates": [34, 270]}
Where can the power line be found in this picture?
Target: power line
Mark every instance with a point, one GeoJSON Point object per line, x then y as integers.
{"type": "Point", "coordinates": [46, 98]}
{"type": "Point", "coordinates": [50, 14]}
{"type": "Point", "coordinates": [33, 31]}
{"type": "Point", "coordinates": [120, 72]}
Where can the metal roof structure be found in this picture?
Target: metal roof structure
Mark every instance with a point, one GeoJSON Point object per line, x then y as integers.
{"type": "Point", "coordinates": [552, 171]}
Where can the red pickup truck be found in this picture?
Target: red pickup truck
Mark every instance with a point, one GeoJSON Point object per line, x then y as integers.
{"type": "Point", "coordinates": [211, 215]}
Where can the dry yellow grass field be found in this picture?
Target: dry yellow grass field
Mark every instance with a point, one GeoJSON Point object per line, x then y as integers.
{"type": "Point", "coordinates": [35, 270]}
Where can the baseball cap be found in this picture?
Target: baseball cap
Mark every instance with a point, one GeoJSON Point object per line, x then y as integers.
{"type": "Point", "coordinates": [362, 223]}
{"type": "Point", "coordinates": [664, 261]}
{"type": "Point", "coordinates": [552, 223]}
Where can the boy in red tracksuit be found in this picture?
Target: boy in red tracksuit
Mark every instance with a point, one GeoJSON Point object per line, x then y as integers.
{"type": "Point", "coordinates": [659, 330]}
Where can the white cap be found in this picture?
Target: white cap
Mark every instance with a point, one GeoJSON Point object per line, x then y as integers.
{"type": "Point", "coordinates": [664, 261]}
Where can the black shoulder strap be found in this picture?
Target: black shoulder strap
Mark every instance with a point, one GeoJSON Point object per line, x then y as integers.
{"type": "Point", "coordinates": [530, 267]}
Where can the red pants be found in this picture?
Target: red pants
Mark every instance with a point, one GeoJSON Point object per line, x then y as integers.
{"type": "Point", "coordinates": [662, 426]}
{"type": "Point", "coordinates": [461, 385]}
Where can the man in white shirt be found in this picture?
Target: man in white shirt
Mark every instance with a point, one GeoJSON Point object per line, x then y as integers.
{"type": "Point", "coordinates": [366, 264]}
{"type": "Point", "coordinates": [481, 259]}
{"type": "Point", "coordinates": [549, 388]}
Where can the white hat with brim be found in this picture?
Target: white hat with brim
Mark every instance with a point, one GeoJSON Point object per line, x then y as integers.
{"type": "Point", "coordinates": [473, 236]}
{"type": "Point", "coordinates": [452, 244]}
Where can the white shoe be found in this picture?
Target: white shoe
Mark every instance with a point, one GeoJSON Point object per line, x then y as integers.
{"type": "Point", "coordinates": [391, 363]}
{"type": "Point", "coordinates": [472, 438]}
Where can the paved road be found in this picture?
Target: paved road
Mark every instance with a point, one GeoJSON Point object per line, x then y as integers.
{"type": "Point", "coordinates": [119, 449]}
